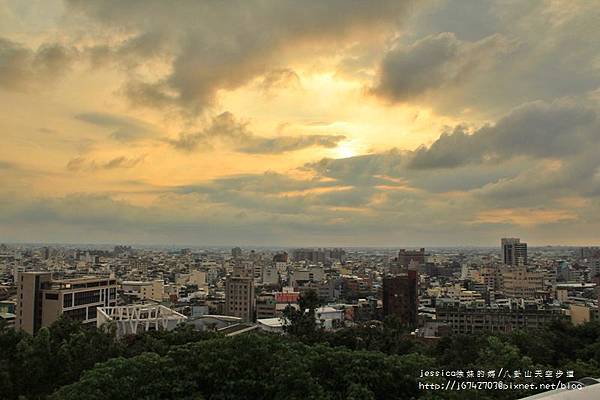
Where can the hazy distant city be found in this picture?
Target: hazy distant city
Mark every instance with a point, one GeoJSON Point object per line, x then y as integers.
{"type": "Point", "coordinates": [426, 289]}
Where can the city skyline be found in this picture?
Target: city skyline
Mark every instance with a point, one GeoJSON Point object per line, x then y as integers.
{"type": "Point", "coordinates": [346, 124]}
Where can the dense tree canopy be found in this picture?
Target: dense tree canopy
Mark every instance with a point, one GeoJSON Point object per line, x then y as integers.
{"type": "Point", "coordinates": [374, 361]}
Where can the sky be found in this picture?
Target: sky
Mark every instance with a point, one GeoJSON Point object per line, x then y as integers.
{"type": "Point", "coordinates": [313, 123]}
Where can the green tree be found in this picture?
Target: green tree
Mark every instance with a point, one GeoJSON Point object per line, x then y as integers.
{"type": "Point", "coordinates": [145, 377]}
{"type": "Point", "coordinates": [301, 322]}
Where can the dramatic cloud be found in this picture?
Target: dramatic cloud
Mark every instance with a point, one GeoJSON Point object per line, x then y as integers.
{"type": "Point", "coordinates": [321, 123]}
{"type": "Point", "coordinates": [489, 58]}
{"type": "Point", "coordinates": [434, 63]}
{"type": "Point", "coordinates": [224, 128]}
{"type": "Point", "coordinates": [22, 68]}
{"type": "Point", "coordinates": [536, 155]}
{"type": "Point", "coordinates": [537, 129]}
{"type": "Point", "coordinates": [224, 45]}
{"type": "Point", "coordinates": [280, 78]}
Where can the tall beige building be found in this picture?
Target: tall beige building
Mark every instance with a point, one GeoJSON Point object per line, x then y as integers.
{"type": "Point", "coordinates": [41, 300]}
{"type": "Point", "coordinates": [239, 295]}
{"type": "Point", "coordinates": [520, 282]}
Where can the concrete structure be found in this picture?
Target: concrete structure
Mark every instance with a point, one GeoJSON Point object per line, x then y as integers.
{"type": "Point", "coordinates": [408, 257]}
{"type": "Point", "coordinates": [8, 319]}
{"type": "Point", "coordinates": [139, 318]}
{"type": "Point", "coordinates": [491, 277]}
{"type": "Point", "coordinates": [236, 252]}
{"type": "Point", "coordinates": [400, 297]}
{"type": "Point", "coordinates": [199, 278]}
{"type": "Point", "coordinates": [329, 318]}
{"type": "Point", "coordinates": [582, 313]}
{"type": "Point", "coordinates": [326, 317]}
{"type": "Point", "coordinates": [237, 329]}
{"type": "Point", "coordinates": [521, 282]}
{"type": "Point", "coordinates": [266, 306]}
{"type": "Point", "coordinates": [270, 275]}
{"type": "Point", "coordinates": [273, 325]}
{"type": "Point", "coordinates": [213, 322]}
{"type": "Point", "coordinates": [300, 276]}
{"type": "Point", "coordinates": [148, 290]}
{"type": "Point", "coordinates": [239, 297]}
{"type": "Point", "coordinates": [41, 300]}
{"type": "Point", "coordinates": [478, 318]}
{"type": "Point", "coordinates": [514, 252]}
{"type": "Point", "coordinates": [318, 255]}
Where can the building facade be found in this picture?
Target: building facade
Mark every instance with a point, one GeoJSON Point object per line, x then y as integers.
{"type": "Point", "coordinates": [406, 257]}
{"type": "Point", "coordinates": [41, 300]}
{"type": "Point", "coordinates": [514, 252]}
{"type": "Point", "coordinates": [400, 297]}
{"type": "Point", "coordinates": [478, 318]}
{"type": "Point", "coordinates": [239, 297]}
{"type": "Point", "coordinates": [521, 282]}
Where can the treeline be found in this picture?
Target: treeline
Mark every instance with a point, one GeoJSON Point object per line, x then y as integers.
{"type": "Point", "coordinates": [375, 361]}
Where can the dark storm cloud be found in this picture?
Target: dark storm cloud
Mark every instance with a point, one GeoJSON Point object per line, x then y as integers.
{"type": "Point", "coordinates": [130, 52]}
{"type": "Point", "coordinates": [225, 128]}
{"type": "Point", "coordinates": [434, 62]}
{"type": "Point", "coordinates": [533, 50]}
{"type": "Point", "coordinates": [223, 45]}
{"type": "Point", "coordinates": [559, 129]}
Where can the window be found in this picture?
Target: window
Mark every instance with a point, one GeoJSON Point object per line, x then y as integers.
{"type": "Point", "coordinates": [68, 300]}
{"type": "Point", "coordinates": [51, 296]}
{"type": "Point", "coordinates": [78, 314]}
{"type": "Point", "coordinates": [88, 297]}
{"type": "Point", "coordinates": [92, 312]}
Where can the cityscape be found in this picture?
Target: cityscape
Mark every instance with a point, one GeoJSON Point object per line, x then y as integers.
{"type": "Point", "coordinates": [430, 293]}
{"type": "Point", "coordinates": [433, 292]}
{"type": "Point", "coordinates": [316, 199]}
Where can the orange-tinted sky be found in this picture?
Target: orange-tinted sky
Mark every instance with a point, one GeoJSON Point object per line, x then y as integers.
{"type": "Point", "coordinates": [299, 123]}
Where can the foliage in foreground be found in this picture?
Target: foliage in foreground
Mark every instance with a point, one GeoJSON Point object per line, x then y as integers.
{"type": "Point", "coordinates": [377, 361]}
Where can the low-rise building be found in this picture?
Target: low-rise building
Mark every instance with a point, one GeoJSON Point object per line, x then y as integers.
{"type": "Point", "coordinates": [477, 317]}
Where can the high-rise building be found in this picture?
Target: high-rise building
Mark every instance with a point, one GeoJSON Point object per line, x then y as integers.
{"type": "Point", "coordinates": [41, 300]}
{"type": "Point", "coordinates": [590, 252]}
{"type": "Point", "coordinates": [236, 252]}
{"type": "Point", "coordinates": [280, 257]}
{"type": "Point", "coordinates": [239, 296]}
{"type": "Point", "coordinates": [318, 255]}
{"type": "Point", "coordinates": [406, 257]}
{"type": "Point", "coordinates": [514, 252]}
{"type": "Point", "coordinates": [400, 297]}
